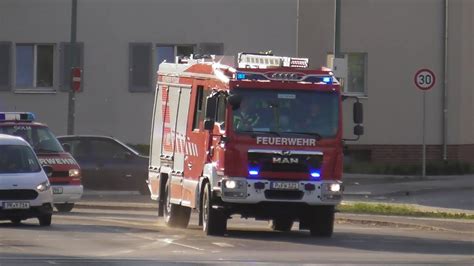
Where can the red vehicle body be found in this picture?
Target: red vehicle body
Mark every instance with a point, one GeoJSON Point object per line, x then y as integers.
{"type": "Point", "coordinates": [205, 155]}
{"type": "Point", "coordinates": [66, 177]}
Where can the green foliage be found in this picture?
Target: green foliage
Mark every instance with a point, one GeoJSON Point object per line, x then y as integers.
{"type": "Point", "coordinates": [401, 210]}
{"type": "Point", "coordinates": [432, 168]}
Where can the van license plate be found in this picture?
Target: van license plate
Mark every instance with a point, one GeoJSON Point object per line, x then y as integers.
{"type": "Point", "coordinates": [16, 205]}
{"type": "Point", "coordinates": [57, 190]}
{"type": "Point", "coordinates": [285, 185]}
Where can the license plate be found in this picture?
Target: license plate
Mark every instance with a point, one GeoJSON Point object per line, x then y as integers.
{"type": "Point", "coordinates": [57, 190]}
{"type": "Point", "coordinates": [285, 185]}
{"type": "Point", "coordinates": [16, 205]}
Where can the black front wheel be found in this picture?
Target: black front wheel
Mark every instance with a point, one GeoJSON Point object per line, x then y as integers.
{"type": "Point", "coordinates": [321, 221]}
{"type": "Point", "coordinates": [45, 220]}
{"type": "Point", "coordinates": [214, 221]}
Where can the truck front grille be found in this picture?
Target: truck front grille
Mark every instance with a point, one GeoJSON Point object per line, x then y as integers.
{"type": "Point", "coordinates": [18, 194]}
{"type": "Point", "coordinates": [284, 194]}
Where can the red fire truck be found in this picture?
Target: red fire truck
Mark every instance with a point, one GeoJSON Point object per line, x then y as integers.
{"type": "Point", "coordinates": [66, 176]}
{"type": "Point", "coordinates": [263, 140]}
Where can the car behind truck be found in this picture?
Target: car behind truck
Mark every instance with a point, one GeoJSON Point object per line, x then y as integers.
{"type": "Point", "coordinates": [263, 140]}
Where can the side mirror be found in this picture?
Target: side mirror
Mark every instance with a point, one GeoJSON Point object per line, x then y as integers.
{"type": "Point", "coordinates": [359, 130]}
{"type": "Point", "coordinates": [209, 124]}
{"type": "Point", "coordinates": [211, 107]}
{"type": "Point", "coordinates": [234, 100]}
{"type": "Point", "coordinates": [358, 113]}
{"type": "Point", "coordinates": [48, 170]}
{"type": "Point", "coordinates": [67, 147]}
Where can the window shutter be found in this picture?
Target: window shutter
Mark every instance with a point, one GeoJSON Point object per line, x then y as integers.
{"type": "Point", "coordinates": [211, 48]}
{"type": "Point", "coordinates": [140, 67]}
{"type": "Point", "coordinates": [66, 64]}
{"type": "Point", "coordinates": [5, 66]}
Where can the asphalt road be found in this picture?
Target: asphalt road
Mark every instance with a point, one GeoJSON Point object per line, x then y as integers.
{"type": "Point", "coordinates": [137, 238]}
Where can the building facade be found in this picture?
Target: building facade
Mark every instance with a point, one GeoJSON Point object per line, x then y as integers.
{"type": "Point", "coordinates": [119, 45]}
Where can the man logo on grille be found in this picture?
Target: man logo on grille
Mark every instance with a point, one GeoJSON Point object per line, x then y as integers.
{"type": "Point", "coordinates": [285, 160]}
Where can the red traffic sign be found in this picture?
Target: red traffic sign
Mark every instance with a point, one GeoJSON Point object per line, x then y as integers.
{"type": "Point", "coordinates": [425, 79]}
{"type": "Point", "coordinates": [76, 74]}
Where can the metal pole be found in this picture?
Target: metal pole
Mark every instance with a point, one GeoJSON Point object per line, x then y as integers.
{"type": "Point", "coordinates": [72, 98]}
{"type": "Point", "coordinates": [297, 26]}
{"type": "Point", "coordinates": [337, 31]}
{"type": "Point", "coordinates": [423, 170]}
{"type": "Point", "coordinates": [445, 79]}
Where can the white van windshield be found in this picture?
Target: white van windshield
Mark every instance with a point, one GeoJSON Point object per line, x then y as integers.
{"type": "Point", "coordinates": [17, 159]}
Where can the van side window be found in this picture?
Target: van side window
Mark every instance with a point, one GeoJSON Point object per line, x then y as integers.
{"type": "Point", "coordinates": [201, 96]}
{"type": "Point", "coordinates": [198, 110]}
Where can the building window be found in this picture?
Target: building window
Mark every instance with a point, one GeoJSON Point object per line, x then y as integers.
{"type": "Point", "coordinates": [140, 67]}
{"type": "Point", "coordinates": [351, 70]}
{"type": "Point", "coordinates": [34, 65]}
{"type": "Point", "coordinates": [356, 73]}
{"type": "Point", "coordinates": [170, 52]}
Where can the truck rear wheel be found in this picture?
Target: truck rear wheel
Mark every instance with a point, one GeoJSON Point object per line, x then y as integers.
{"type": "Point", "coordinates": [281, 224]}
{"type": "Point", "coordinates": [64, 207]}
{"type": "Point", "coordinates": [175, 215]}
{"type": "Point", "coordinates": [214, 220]}
{"type": "Point", "coordinates": [321, 224]}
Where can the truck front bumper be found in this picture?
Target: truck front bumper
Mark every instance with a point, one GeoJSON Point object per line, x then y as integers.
{"type": "Point", "coordinates": [253, 191]}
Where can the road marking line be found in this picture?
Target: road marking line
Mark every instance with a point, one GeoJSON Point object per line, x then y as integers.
{"type": "Point", "coordinates": [170, 241]}
{"type": "Point", "coordinates": [223, 245]}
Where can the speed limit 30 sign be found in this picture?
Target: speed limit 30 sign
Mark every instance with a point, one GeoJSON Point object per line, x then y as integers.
{"type": "Point", "coordinates": [425, 79]}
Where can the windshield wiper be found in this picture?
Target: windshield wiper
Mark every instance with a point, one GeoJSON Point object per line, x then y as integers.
{"type": "Point", "coordinates": [315, 134]}
{"type": "Point", "coordinates": [260, 132]}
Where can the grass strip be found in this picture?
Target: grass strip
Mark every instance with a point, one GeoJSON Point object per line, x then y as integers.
{"type": "Point", "coordinates": [397, 209]}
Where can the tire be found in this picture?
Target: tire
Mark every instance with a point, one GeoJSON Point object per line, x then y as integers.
{"type": "Point", "coordinates": [64, 207]}
{"type": "Point", "coordinates": [175, 215]}
{"type": "Point", "coordinates": [281, 224]}
{"type": "Point", "coordinates": [143, 189]}
{"type": "Point", "coordinates": [45, 220]}
{"type": "Point", "coordinates": [322, 221]}
{"type": "Point", "coordinates": [214, 221]}
{"type": "Point", "coordinates": [16, 221]}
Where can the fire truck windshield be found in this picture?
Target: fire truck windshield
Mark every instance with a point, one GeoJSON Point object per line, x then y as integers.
{"type": "Point", "coordinates": [39, 137]}
{"type": "Point", "coordinates": [287, 112]}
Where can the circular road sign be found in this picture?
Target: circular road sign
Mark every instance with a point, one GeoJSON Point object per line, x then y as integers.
{"type": "Point", "coordinates": [425, 79]}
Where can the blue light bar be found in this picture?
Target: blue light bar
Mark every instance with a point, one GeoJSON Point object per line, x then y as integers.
{"type": "Point", "coordinates": [240, 75]}
{"type": "Point", "coordinates": [17, 116]}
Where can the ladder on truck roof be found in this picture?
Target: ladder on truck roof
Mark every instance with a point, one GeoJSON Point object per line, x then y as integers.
{"type": "Point", "coordinates": [250, 60]}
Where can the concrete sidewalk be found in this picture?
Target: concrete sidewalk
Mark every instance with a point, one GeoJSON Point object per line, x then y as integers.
{"type": "Point", "coordinates": [451, 194]}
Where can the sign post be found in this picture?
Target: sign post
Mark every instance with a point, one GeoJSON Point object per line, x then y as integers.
{"type": "Point", "coordinates": [424, 79]}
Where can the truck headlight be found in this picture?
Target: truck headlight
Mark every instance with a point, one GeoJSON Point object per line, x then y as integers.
{"type": "Point", "coordinates": [335, 187]}
{"type": "Point", "coordinates": [43, 186]}
{"type": "Point", "coordinates": [74, 172]}
{"type": "Point", "coordinates": [234, 188]}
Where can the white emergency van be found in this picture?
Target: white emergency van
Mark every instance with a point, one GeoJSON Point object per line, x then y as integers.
{"type": "Point", "coordinates": [25, 191]}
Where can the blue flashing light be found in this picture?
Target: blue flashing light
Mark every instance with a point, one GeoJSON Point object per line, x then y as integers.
{"type": "Point", "coordinates": [315, 174]}
{"type": "Point", "coordinates": [253, 171]}
{"type": "Point", "coordinates": [17, 116]}
{"type": "Point", "coordinates": [327, 80]}
{"type": "Point", "coordinates": [240, 76]}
